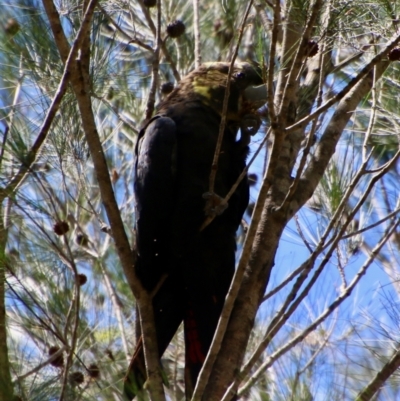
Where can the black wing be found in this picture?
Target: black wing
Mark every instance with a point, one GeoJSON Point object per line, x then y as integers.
{"type": "Point", "coordinates": [154, 189]}
{"type": "Point", "coordinates": [154, 197]}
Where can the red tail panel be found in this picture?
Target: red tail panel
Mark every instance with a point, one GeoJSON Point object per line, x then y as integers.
{"type": "Point", "coordinates": [194, 353]}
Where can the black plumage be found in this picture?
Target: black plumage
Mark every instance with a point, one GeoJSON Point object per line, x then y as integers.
{"type": "Point", "coordinates": [189, 270]}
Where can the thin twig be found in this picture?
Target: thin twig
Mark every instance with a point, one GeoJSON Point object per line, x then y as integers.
{"type": "Point", "coordinates": [377, 223]}
{"type": "Point", "coordinates": [196, 26]}
{"type": "Point", "coordinates": [271, 61]}
{"type": "Point", "coordinates": [241, 268]}
{"type": "Point", "coordinates": [332, 243]}
{"type": "Point", "coordinates": [214, 166]}
{"type": "Point", "coordinates": [122, 32]}
{"type": "Point", "coordinates": [232, 190]}
{"type": "Point", "coordinates": [155, 67]}
{"type": "Point", "coordinates": [300, 232]}
{"type": "Point", "coordinates": [372, 118]}
{"type": "Point", "coordinates": [119, 116]}
{"type": "Point", "coordinates": [3, 145]}
{"type": "Point", "coordinates": [168, 57]}
{"type": "Point", "coordinates": [286, 281]}
{"type": "Point", "coordinates": [75, 307]}
{"type": "Point", "coordinates": [310, 137]}
{"type": "Point", "coordinates": [32, 310]}
{"type": "Point", "coordinates": [37, 368]}
{"type": "Point", "coordinates": [116, 303]}
{"type": "Point", "coordinates": [33, 152]}
{"type": "Point", "coordinates": [346, 62]}
{"type": "Point", "coordinates": [10, 123]}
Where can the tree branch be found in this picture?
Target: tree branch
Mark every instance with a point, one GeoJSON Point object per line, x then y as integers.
{"type": "Point", "coordinates": [81, 88]}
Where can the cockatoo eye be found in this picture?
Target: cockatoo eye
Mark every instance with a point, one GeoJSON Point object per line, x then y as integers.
{"type": "Point", "coordinates": [240, 75]}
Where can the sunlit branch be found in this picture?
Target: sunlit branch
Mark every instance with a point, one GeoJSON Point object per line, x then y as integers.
{"type": "Point", "coordinates": [80, 84]}
{"type": "Point", "coordinates": [311, 134]}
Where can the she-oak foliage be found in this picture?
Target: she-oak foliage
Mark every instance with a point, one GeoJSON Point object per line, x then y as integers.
{"type": "Point", "coordinates": [311, 312]}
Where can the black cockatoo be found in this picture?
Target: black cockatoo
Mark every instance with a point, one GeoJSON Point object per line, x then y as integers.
{"type": "Point", "coordinates": [188, 269]}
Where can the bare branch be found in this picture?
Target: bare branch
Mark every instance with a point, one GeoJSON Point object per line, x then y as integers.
{"type": "Point", "coordinates": [81, 88]}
